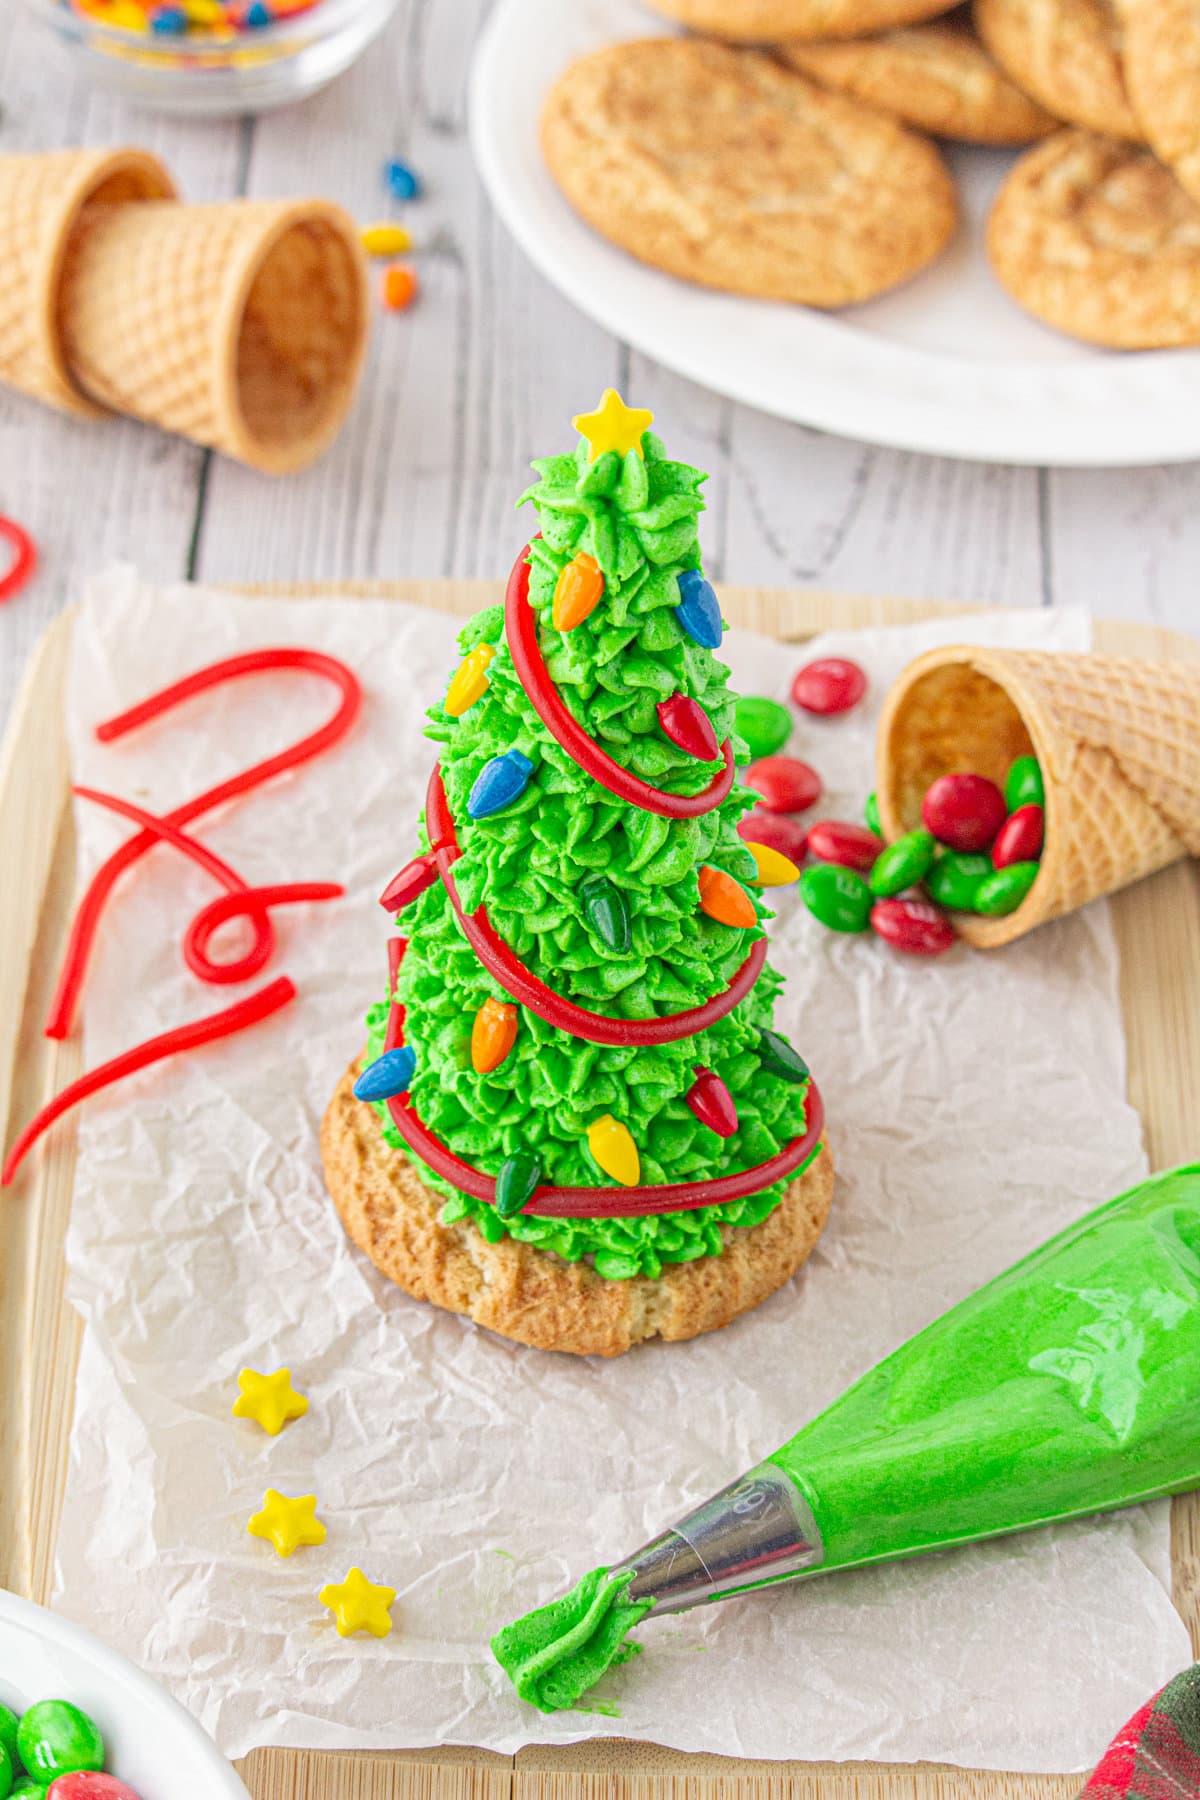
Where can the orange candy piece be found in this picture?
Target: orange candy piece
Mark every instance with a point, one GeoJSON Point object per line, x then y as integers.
{"type": "Point", "coordinates": [577, 591]}
{"type": "Point", "coordinates": [492, 1035]}
{"type": "Point", "coordinates": [724, 899]}
{"type": "Point", "coordinates": [399, 287]}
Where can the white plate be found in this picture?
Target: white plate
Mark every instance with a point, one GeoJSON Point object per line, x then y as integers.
{"type": "Point", "coordinates": [152, 1743]}
{"type": "Point", "coordinates": [947, 365]}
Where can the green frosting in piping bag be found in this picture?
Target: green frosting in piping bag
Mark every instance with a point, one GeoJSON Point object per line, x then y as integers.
{"type": "Point", "coordinates": [554, 1655]}
{"type": "Point", "coordinates": [529, 864]}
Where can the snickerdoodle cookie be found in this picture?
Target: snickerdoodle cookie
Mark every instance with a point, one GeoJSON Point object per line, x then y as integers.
{"type": "Point", "coordinates": [1067, 55]}
{"type": "Point", "coordinates": [532, 1295]}
{"type": "Point", "coordinates": [1161, 55]}
{"type": "Point", "coordinates": [937, 77]}
{"type": "Point", "coordinates": [765, 21]}
{"type": "Point", "coordinates": [1097, 238]}
{"type": "Point", "coordinates": [723, 168]}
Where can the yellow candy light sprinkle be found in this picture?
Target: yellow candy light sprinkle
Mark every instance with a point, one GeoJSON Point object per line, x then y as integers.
{"type": "Point", "coordinates": [385, 240]}
{"type": "Point", "coordinates": [469, 682]}
{"type": "Point", "coordinates": [774, 868]}
{"type": "Point", "coordinates": [615, 1151]}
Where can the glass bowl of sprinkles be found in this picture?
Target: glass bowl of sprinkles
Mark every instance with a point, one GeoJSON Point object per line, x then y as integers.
{"type": "Point", "coordinates": [214, 57]}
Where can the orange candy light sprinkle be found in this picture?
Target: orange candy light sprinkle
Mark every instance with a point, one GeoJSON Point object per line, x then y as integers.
{"type": "Point", "coordinates": [724, 899]}
{"type": "Point", "coordinates": [493, 1035]}
{"type": "Point", "coordinates": [399, 287]}
{"type": "Point", "coordinates": [577, 592]}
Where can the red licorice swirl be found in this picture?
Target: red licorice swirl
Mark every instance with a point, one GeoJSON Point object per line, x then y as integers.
{"type": "Point", "coordinates": [517, 979]}
{"type": "Point", "coordinates": [520, 628]}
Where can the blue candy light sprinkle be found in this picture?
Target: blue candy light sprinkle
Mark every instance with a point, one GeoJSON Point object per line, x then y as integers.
{"type": "Point", "coordinates": [389, 1075]}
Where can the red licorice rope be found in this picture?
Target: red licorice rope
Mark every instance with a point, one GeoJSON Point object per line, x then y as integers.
{"type": "Point", "coordinates": [87, 918]}
{"type": "Point", "coordinates": [241, 901]}
{"type": "Point", "coordinates": [24, 559]}
{"type": "Point", "coordinates": [394, 1035]}
{"type": "Point", "coordinates": [520, 628]}
{"type": "Point", "coordinates": [503, 963]}
{"type": "Point", "coordinates": [250, 1011]}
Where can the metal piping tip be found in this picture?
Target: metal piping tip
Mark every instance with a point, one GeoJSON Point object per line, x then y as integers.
{"type": "Point", "coordinates": [757, 1529]}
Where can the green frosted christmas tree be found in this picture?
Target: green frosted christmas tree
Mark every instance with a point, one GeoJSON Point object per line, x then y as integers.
{"type": "Point", "coordinates": [577, 1044]}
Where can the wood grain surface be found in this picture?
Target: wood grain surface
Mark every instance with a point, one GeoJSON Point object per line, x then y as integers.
{"type": "Point", "coordinates": [1158, 926]}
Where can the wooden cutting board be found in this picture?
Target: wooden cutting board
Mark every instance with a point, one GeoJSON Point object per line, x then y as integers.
{"type": "Point", "coordinates": [1158, 928]}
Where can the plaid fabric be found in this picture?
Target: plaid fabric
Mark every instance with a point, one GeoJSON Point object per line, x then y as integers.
{"type": "Point", "coordinates": [1157, 1755]}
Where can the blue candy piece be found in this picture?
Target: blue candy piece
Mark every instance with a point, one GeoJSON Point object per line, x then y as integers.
{"type": "Point", "coordinates": [499, 783]}
{"type": "Point", "coordinates": [256, 16]}
{"type": "Point", "coordinates": [389, 1075]}
{"type": "Point", "coordinates": [402, 181]}
{"type": "Point", "coordinates": [699, 611]}
{"type": "Point", "coordinates": [169, 21]}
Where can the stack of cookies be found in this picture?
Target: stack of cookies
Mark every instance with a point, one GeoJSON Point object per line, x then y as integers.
{"type": "Point", "coordinates": [785, 151]}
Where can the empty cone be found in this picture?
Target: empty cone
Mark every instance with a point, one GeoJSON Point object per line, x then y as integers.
{"type": "Point", "coordinates": [1118, 740]}
{"type": "Point", "coordinates": [43, 200]}
{"type": "Point", "coordinates": [241, 325]}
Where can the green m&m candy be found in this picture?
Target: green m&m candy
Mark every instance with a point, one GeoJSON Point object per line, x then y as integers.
{"type": "Point", "coordinates": [54, 1738]}
{"type": "Point", "coordinates": [1023, 785]}
{"type": "Point", "coordinates": [778, 1057]}
{"type": "Point", "coordinates": [26, 1788]}
{"type": "Point", "coordinates": [6, 1773]}
{"type": "Point", "coordinates": [839, 897]}
{"type": "Point", "coordinates": [764, 724]}
{"type": "Point", "coordinates": [902, 864]}
{"type": "Point", "coordinates": [8, 1734]}
{"type": "Point", "coordinates": [871, 814]}
{"type": "Point", "coordinates": [953, 880]}
{"type": "Point", "coordinates": [1002, 892]}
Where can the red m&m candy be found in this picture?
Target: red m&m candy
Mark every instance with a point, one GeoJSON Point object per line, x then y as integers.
{"type": "Point", "coordinates": [1020, 837]}
{"type": "Point", "coordinates": [831, 684]}
{"type": "Point", "coordinates": [784, 783]}
{"type": "Point", "coordinates": [964, 811]}
{"type": "Point", "coordinates": [913, 925]}
{"type": "Point", "coordinates": [839, 841]}
{"type": "Point", "coordinates": [84, 1784]}
{"type": "Point", "coordinates": [778, 831]}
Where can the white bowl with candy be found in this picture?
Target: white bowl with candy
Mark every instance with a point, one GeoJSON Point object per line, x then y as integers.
{"type": "Point", "coordinates": [109, 1713]}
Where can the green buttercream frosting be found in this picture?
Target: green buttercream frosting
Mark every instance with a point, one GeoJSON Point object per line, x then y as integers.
{"type": "Point", "coordinates": [554, 1655]}
{"type": "Point", "coordinates": [529, 864]}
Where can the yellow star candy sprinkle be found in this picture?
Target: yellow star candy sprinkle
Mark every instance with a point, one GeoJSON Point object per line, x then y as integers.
{"type": "Point", "coordinates": [614, 426]}
{"type": "Point", "coordinates": [270, 1400]}
{"type": "Point", "coordinates": [287, 1523]}
{"type": "Point", "coordinates": [358, 1605]}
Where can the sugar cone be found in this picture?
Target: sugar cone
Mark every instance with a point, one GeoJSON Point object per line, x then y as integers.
{"type": "Point", "coordinates": [1118, 741]}
{"type": "Point", "coordinates": [42, 202]}
{"type": "Point", "coordinates": [241, 325]}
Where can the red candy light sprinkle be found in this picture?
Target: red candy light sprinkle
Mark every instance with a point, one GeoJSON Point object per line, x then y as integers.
{"type": "Point", "coordinates": [916, 926]}
{"type": "Point", "coordinates": [840, 841]}
{"type": "Point", "coordinates": [784, 783]}
{"type": "Point", "coordinates": [778, 831]}
{"type": "Point", "coordinates": [1020, 837]}
{"type": "Point", "coordinates": [964, 811]}
{"type": "Point", "coordinates": [24, 558]}
{"type": "Point", "coordinates": [831, 684]}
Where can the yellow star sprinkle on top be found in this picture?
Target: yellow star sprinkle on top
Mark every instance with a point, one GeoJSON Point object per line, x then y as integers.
{"type": "Point", "coordinates": [358, 1605]}
{"type": "Point", "coordinates": [614, 426]}
{"type": "Point", "coordinates": [270, 1400]}
{"type": "Point", "coordinates": [287, 1523]}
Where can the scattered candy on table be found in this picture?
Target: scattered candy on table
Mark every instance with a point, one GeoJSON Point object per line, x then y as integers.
{"type": "Point", "coordinates": [871, 813]}
{"type": "Point", "coordinates": [359, 1605]}
{"type": "Point", "coordinates": [831, 684]}
{"type": "Point", "coordinates": [916, 926]}
{"type": "Point", "coordinates": [401, 181]}
{"type": "Point", "coordinates": [841, 841]}
{"type": "Point", "coordinates": [399, 287]}
{"type": "Point", "coordinates": [270, 1400]}
{"type": "Point", "coordinates": [838, 897]}
{"type": "Point", "coordinates": [287, 1523]}
{"type": "Point", "coordinates": [385, 240]}
{"type": "Point", "coordinates": [55, 1749]}
{"type": "Point", "coordinates": [783, 783]}
{"type": "Point", "coordinates": [764, 725]}
{"type": "Point", "coordinates": [81, 1784]}
{"type": "Point", "coordinates": [902, 864]}
{"type": "Point", "coordinates": [778, 831]}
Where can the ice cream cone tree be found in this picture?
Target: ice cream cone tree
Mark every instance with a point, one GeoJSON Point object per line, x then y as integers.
{"type": "Point", "coordinates": [579, 1027]}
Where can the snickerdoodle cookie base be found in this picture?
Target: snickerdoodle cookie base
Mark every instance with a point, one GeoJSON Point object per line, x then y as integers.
{"type": "Point", "coordinates": [938, 78]}
{"type": "Point", "coordinates": [1067, 54]}
{"type": "Point", "coordinates": [1097, 238]}
{"type": "Point", "coordinates": [724, 168]}
{"type": "Point", "coordinates": [532, 1295]}
{"type": "Point", "coordinates": [766, 21]}
{"type": "Point", "coordinates": [1161, 58]}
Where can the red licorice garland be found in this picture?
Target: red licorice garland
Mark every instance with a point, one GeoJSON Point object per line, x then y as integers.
{"type": "Point", "coordinates": [520, 628]}
{"type": "Point", "coordinates": [506, 967]}
{"type": "Point", "coordinates": [239, 901]}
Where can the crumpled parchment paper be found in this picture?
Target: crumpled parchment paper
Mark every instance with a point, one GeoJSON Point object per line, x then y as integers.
{"type": "Point", "coordinates": [976, 1105]}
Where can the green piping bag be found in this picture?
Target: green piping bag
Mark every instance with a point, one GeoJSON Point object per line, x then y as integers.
{"type": "Point", "coordinates": [1068, 1385]}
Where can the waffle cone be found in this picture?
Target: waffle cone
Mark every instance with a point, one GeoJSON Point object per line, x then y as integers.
{"type": "Point", "coordinates": [1118, 741]}
{"type": "Point", "coordinates": [241, 325]}
{"type": "Point", "coordinates": [43, 200]}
